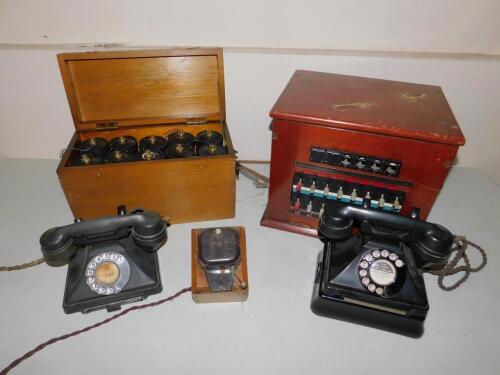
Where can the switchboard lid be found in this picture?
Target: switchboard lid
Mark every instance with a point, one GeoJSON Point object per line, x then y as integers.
{"type": "Point", "coordinates": [369, 105]}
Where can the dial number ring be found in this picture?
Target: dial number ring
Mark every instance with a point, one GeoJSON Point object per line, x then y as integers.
{"type": "Point", "coordinates": [107, 273]}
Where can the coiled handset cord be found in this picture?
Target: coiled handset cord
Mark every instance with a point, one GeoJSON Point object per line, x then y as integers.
{"type": "Point", "coordinates": [460, 245]}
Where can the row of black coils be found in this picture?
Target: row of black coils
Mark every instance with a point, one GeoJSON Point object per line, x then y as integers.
{"type": "Point", "coordinates": [176, 144]}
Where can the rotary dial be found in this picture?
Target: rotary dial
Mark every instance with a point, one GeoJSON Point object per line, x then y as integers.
{"type": "Point", "coordinates": [378, 269]}
{"type": "Point", "coordinates": [107, 273]}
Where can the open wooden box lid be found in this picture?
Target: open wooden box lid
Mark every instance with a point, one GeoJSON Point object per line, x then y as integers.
{"type": "Point", "coordinates": [108, 90]}
{"type": "Point", "coordinates": [370, 105]}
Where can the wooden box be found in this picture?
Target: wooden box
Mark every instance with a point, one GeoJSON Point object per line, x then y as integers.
{"type": "Point", "coordinates": [199, 284]}
{"type": "Point", "coordinates": [141, 93]}
{"type": "Point", "coordinates": [337, 139]}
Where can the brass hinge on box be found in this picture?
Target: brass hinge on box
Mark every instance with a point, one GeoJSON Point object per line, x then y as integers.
{"type": "Point", "coordinates": [196, 120]}
{"type": "Point", "coordinates": [106, 125]}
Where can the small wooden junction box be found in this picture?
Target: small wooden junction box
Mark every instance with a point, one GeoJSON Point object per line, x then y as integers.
{"type": "Point", "coordinates": [140, 94]}
{"type": "Point", "coordinates": [234, 275]}
{"type": "Point", "coordinates": [338, 139]}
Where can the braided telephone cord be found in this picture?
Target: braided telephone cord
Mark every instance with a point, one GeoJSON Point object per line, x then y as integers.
{"type": "Point", "coordinates": [460, 246]}
{"type": "Point", "coordinates": [248, 170]}
{"type": "Point", "coordinates": [251, 161]}
{"type": "Point", "coordinates": [260, 179]}
{"type": "Point", "coordinates": [22, 266]}
{"type": "Point", "coordinates": [26, 355]}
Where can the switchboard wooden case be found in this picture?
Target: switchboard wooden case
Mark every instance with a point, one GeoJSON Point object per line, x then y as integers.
{"type": "Point", "coordinates": [142, 93]}
{"type": "Point", "coordinates": [337, 139]}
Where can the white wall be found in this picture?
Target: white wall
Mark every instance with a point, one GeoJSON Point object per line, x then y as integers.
{"type": "Point", "coordinates": [452, 43]}
{"type": "Point", "coordinates": [390, 25]}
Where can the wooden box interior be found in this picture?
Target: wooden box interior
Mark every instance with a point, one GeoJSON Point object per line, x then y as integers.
{"type": "Point", "coordinates": [143, 93]}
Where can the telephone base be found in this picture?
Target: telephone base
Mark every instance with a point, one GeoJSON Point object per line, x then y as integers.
{"type": "Point", "coordinates": [143, 277]}
{"type": "Point", "coordinates": [356, 310]}
{"type": "Point", "coordinates": [340, 309]}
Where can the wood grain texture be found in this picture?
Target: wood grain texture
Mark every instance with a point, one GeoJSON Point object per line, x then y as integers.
{"type": "Point", "coordinates": [143, 93]}
{"type": "Point", "coordinates": [199, 283]}
{"type": "Point", "coordinates": [134, 88]}
{"type": "Point", "coordinates": [370, 105]}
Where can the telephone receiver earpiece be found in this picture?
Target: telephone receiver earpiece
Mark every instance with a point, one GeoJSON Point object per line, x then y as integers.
{"type": "Point", "coordinates": [431, 243]}
{"type": "Point", "coordinates": [147, 229]}
{"type": "Point", "coordinates": [433, 247]}
{"type": "Point", "coordinates": [335, 227]}
{"type": "Point", "coordinates": [57, 255]}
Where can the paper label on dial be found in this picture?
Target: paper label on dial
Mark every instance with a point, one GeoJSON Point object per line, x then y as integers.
{"type": "Point", "coordinates": [382, 272]}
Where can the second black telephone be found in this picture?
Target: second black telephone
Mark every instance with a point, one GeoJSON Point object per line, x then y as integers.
{"type": "Point", "coordinates": [372, 275]}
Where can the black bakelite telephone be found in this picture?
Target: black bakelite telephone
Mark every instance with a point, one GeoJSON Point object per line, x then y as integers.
{"type": "Point", "coordinates": [112, 260]}
{"type": "Point", "coordinates": [372, 275]}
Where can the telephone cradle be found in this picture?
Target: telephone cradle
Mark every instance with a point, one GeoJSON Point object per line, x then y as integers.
{"type": "Point", "coordinates": [373, 275]}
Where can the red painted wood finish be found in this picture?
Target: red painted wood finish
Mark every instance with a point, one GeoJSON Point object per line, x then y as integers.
{"type": "Point", "coordinates": [379, 106]}
{"type": "Point", "coordinates": [426, 155]}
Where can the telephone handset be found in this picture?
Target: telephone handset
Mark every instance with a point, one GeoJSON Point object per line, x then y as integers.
{"type": "Point", "coordinates": [112, 260]}
{"type": "Point", "coordinates": [373, 275]}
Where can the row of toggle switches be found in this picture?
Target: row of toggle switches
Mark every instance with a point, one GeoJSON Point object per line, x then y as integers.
{"type": "Point", "coordinates": [311, 194]}
{"type": "Point", "coordinates": [355, 161]}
